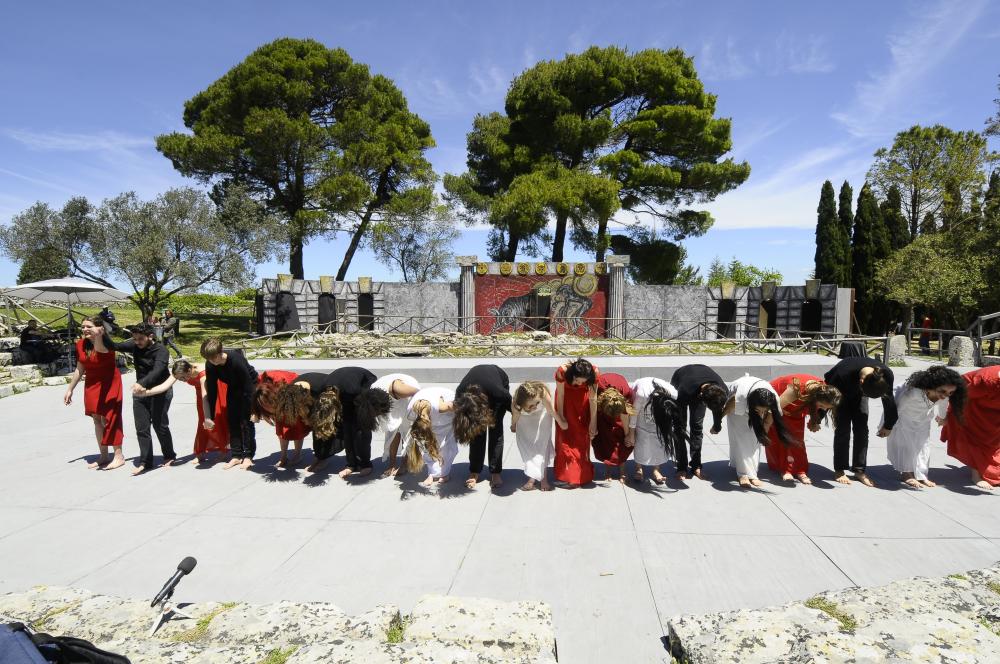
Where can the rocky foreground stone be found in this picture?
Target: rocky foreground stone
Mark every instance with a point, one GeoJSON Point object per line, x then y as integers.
{"type": "Point", "coordinates": [954, 619]}
{"type": "Point", "coordinates": [440, 629]}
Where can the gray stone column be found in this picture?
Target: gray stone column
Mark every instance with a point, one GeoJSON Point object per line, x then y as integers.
{"type": "Point", "coordinates": [616, 296]}
{"type": "Point", "coordinates": [467, 294]}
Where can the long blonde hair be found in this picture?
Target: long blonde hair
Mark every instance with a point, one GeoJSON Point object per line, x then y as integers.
{"type": "Point", "coordinates": [422, 438]}
{"type": "Point", "coordinates": [613, 403]}
{"type": "Point", "coordinates": [528, 390]}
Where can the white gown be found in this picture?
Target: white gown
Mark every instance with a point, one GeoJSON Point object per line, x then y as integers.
{"type": "Point", "coordinates": [441, 423]}
{"type": "Point", "coordinates": [744, 448]}
{"type": "Point", "coordinates": [534, 441]}
{"type": "Point", "coordinates": [909, 442]}
{"type": "Point", "coordinates": [396, 422]}
{"type": "Point", "coordinates": [648, 449]}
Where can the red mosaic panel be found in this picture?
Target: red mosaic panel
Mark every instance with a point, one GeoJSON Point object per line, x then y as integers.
{"type": "Point", "coordinates": [576, 304]}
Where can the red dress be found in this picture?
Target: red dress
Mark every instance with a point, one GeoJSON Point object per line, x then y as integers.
{"type": "Point", "coordinates": [790, 459]}
{"type": "Point", "coordinates": [296, 430]}
{"type": "Point", "coordinates": [609, 446]}
{"type": "Point", "coordinates": [216, 440]}
{"type": "Point", "coordinates": [976, 442]}
{"type": "Point", "coordinates": [572, 463]}
{"type": "Point", "coordinates": [102, 391]}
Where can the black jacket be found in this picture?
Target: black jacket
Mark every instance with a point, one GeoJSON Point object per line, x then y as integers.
{"type": "Point", "coordinates": [240, 378]}
{"type": "Point", "coordinates": [845, 376]}
{"type": "Point", "coordinates": [687, 380]}
{"type": "Point", "coordinates": [151, 363]}
{"type": "Point", "coordinates": [494, 382]}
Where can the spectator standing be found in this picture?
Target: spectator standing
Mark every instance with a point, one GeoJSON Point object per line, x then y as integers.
{"type": "Point", "coordinates": [171, 326]}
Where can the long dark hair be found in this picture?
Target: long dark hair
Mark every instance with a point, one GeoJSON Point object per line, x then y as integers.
{"type": "Point", "coordinates": [765, 397]}
{"type": "Point", "coordinates": [666, 413]}
{"type": "Point", "coordinates": [580, 368]}
{"type": "Point", "coordinates": [473, 414]}
{"type": "Point", "coordinates": [88, 345]}
{"type": "Point", "coordinates": [371, 407]}
{"type": "Point", "coordinates": [941, 376]}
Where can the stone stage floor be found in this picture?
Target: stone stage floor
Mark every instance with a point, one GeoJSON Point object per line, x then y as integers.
{"type": "Point", "coordinates": [615, 563]}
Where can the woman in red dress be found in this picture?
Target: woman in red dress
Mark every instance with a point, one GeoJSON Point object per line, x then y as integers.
{"type": "Point", "coordinates": [801, 395]}
{"type": "Point", "coordinates": [102, 391]}
{"type": "Point", "coordinates": [215, 439]}
{"type": "Point", "coordinates": [263, 407]}
{"type": "Point", "coordinates": [576, 402]}
{"type": "Point", "coordinates": [975, 438]}
{"type": "Point", "coordinates": [615, 438]}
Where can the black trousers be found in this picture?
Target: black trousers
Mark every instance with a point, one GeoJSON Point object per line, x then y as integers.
{"type": "Point", "coordinates": [357, 444]}
{"type": "Point", "coordinates": [151, 412]}
{"type": "Point", "coordinates": [850, 417]}
{"type": "Point", "coordinates": [324, 448]}
{"type": "Point", "coordinates": [478, 445]}
{"type": "Point", "coordinates": [242, 432]}
{"type": "Point", "coordinates": [695, 413]}
{"type": "Point", "coordinates": [169, 341]}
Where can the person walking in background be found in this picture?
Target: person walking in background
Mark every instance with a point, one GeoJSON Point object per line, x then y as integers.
{"type": "Point", "coordinates": [481, 401]}
{"type": "Point", "coordinates": [858, 379]}
{"type": "Point", "coordinates": [102, 391]}
{"type": "Point", "coordinates": [229, 366]}
{"type": "Point", "coordinates": [576, 403]}
{"type": "Point", "coordinates": [532, 415]}
{"type": "Point", "coordinates": [921, 401]}
{"type": "Point", "coordinates": [615, 439]}
{"type": "Point", "coordinates": [973, 436]}
{"type": "Point", "coordinates": [205, 440]}
{"type": "Point", "coordinates": [151, 361]}
{"type": "Point", "coordinates": [171, 326]}
{"type": "Point", "coordinates": [698, 388]}
{"type": "Point", "coordinates": [802, 395]}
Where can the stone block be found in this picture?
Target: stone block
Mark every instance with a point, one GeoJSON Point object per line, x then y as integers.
{"type": "Point", "coordinates": [6, 359]}
{"type": "Point", "coordinates": [961, 352]}
{"type": "Point", "coordinates": [25, 372]}
{"type": "Point", "coordinates": [6, 391]}
{"type": "Point", "coordinates": [897, 348]}
{"type": "Point", "coordinates": [490, 627]}
{"type": "Point", "coordinates": [55, 380]}
{"type": "Point", "coordinates": [21, 386]}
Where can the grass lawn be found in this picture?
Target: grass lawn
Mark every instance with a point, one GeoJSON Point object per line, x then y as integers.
{"type": "Point", "coordinates": [194, 328]}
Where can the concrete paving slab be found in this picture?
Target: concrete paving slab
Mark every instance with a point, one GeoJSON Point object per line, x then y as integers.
{"type": "Point", "coordinates": [706, 573]}
{"type": "Point", "coordinates": [975, 509]}
{"type": "Point", "coordinates": [13, 519]}
{"type": "Point", "coordinates": [875, 561]}
{"type": "Point", "coordinates": [593, 579]}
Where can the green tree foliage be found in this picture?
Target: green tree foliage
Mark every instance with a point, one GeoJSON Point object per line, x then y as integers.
{"type": "Point", "coordinates": [418, 246]}
{"type": "Point", "coordinates": [892, 217]}
{"type": "Point", "coordinates": [739, 273]}
{"type": "Point", "coordinates": [45, 263]}
{"type": "Point", "coordinates": [832, 265]}
{"type": "Point", "coordinates": [930, 166]}
{"type": "Point", "coordinates": [654, 260]}
{"type": "Point", "coordinates": [993, 123]}
{"type": "Point", "coordinates": [313, 135]}
{"type": "Point", "coordinates": [846, 217]}
{"type": "Point", "coordinates": [596, 132]}
{"type": "Point", "coordinates": [868, 246]}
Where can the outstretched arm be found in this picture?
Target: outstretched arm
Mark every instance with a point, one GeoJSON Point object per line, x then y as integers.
{"type": "Point", "coordinates": [159, 389]}
{"type": "Point", "coordinates": [515, 415]}
{"type": "Point", "coordinates": [556, 415]}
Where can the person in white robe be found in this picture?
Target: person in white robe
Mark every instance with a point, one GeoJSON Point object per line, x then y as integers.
{"type": "Point", "coordinates": [400, 387]}
{"type": "Point", "coordinates": [649, 448]}
{"type": "Point", "coordinates": [432, 435]}
{"type": "Point", "coordinates": [753, 408]}
{"type": "Point", "coordinates": [532, 418]}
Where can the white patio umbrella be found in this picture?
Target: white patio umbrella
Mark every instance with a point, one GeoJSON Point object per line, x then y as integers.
{"type": "Point", "coordinates": [69, 290]}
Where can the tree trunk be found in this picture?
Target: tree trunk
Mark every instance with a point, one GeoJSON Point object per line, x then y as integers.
{"type": "Point", "coordinates": [355, 243]}
{"type": "Point", "coordinates": [602, 228]}
{"type": "Point", "coordinates": [560, 238]}
{"type": "Point", "coordinates": [295, 256]}
{"type": "Point", "coordinates": [512, 241]}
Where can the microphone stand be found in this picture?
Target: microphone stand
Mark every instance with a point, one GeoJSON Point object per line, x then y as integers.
{"type": "Point", "coordinates": [164, 610]}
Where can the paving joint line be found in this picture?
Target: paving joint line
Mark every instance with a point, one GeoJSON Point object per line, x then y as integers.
{"type": "Point", "coordinates": [645, 570]}
{"type": "Point", "coordinates": [468, 546]}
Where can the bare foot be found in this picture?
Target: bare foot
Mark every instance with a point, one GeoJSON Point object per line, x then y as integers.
{"type": "Point", "coordinates": [282, 460]}
{"type": "Point", "coordinates": [316, 466]}
{"type": "Point", "coordinates": [545, 485]}
{"type": "Point", "coordinates": [699, 475]}
{"type": "Point", "coordinates": [247, 464]}
{"type": "Point", "coordinates": [802, 477]}
{"type": "Point", "coordinates": [168, 462]}
{"type": "Point", "coordinates": [100, 463]}
{"type": "Point", "coordinates": [787, 477]}
{"type": "Point", "coordinates": [495, 481]}
{"type": "Point", "coordinates": [528, 486]}
{"type": "Point", "coordinates": [912, 482]}
{"type": "Point", "coordinates": [427, 482]}
{"type": "Point", "coordinates": [389, 472]}
{"type": "Point", "coordinates": [443, 480]}
{"type": "Point", "coordinates": [841, 477]}
{"type": "Point", "coordinates": [638, 476]}
{"type": "Point", "coordinates": [344, 473]}
{"type": "Point", "coordinates": [682, 476]}
{"type": "Point", "coordinates": [658, 476]}
{"type": "Point", "coordinates": [755, 482]}
{"type": "Point", "coordinates": [117, 462]}
{"type": "Point", "coordinates": [983, 484]}
{"type": "Point", "coordinates": [744, 481]}
{"type": "Point", "coordinates": [864, 479]}
{"type": "Point", "coordinates": [928, 483]}
{"type": "Point", "coordinates": [471, 482]}
{"type": "Point", "coordinates": [231, 463]}
{"type": "Point", "coordinates": [138, 470]}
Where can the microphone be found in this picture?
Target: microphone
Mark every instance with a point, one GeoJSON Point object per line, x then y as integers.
{"type": "Point", "coordinates": [167, 590]}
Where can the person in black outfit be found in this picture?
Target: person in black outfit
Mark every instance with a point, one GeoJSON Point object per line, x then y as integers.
{"type": "Point", "coordinates": [150, 359]}
{"type": "Point", "coordinates": [362, 408]}
{"type": "Point", "coordinates": [34, 344]}
{"type": "Point", "coordinates": [231, 367]}
{"type": "Point", "coordinates": [698, 388]}
{"type": "Point", "coordinates": [481, 401]}
{"type": "Point", "coordinates": [324, 414]}
{"type": "Point", "coordinates": [170, 327]}
{"type": "Point", "coordinates": [858, 379]}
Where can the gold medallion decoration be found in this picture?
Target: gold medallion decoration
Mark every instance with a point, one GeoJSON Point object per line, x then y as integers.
{"type": "Point", "coordinates": [585, 285]}
{"type": "Point", "coordinates": [482, 268]}
{"type": "Point", "coordinates": [541, 268]}
{"type": "Point", "coordinates": [506, 269]}
{"type": "Point", "coordinates": [580, 268]}
{"type": "Point", "coordinates": [523, 269]}
{"type": "Point", "coordinates": [562, 268]}
{"type": "Point", "coordinates": [600, 268]}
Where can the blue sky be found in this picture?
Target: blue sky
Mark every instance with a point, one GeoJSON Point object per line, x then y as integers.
{"type": "Point", "coordinates": [812, 88]}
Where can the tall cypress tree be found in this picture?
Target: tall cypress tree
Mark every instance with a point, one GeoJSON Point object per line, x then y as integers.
{"type": "Point", "coordinates": [830, 258]}
{"type": "Point", "coordinates": [894, 220]}
{"type": "Point", "coordinates": [865, 247]}
{"type": "Point", "coordinates": [846, 226]}
{"type": "Point", "coordinates": [928, 225]}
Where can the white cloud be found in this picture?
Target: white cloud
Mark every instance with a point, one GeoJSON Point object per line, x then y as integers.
{"type": "Point", "coordinates": [102, 141]}
{"type": "Point", "coordinates": [927, 41]}
{"type": "Point", "coordinates": [731, 60]}
{"type": "Point", "coordinates": [723, 62]}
